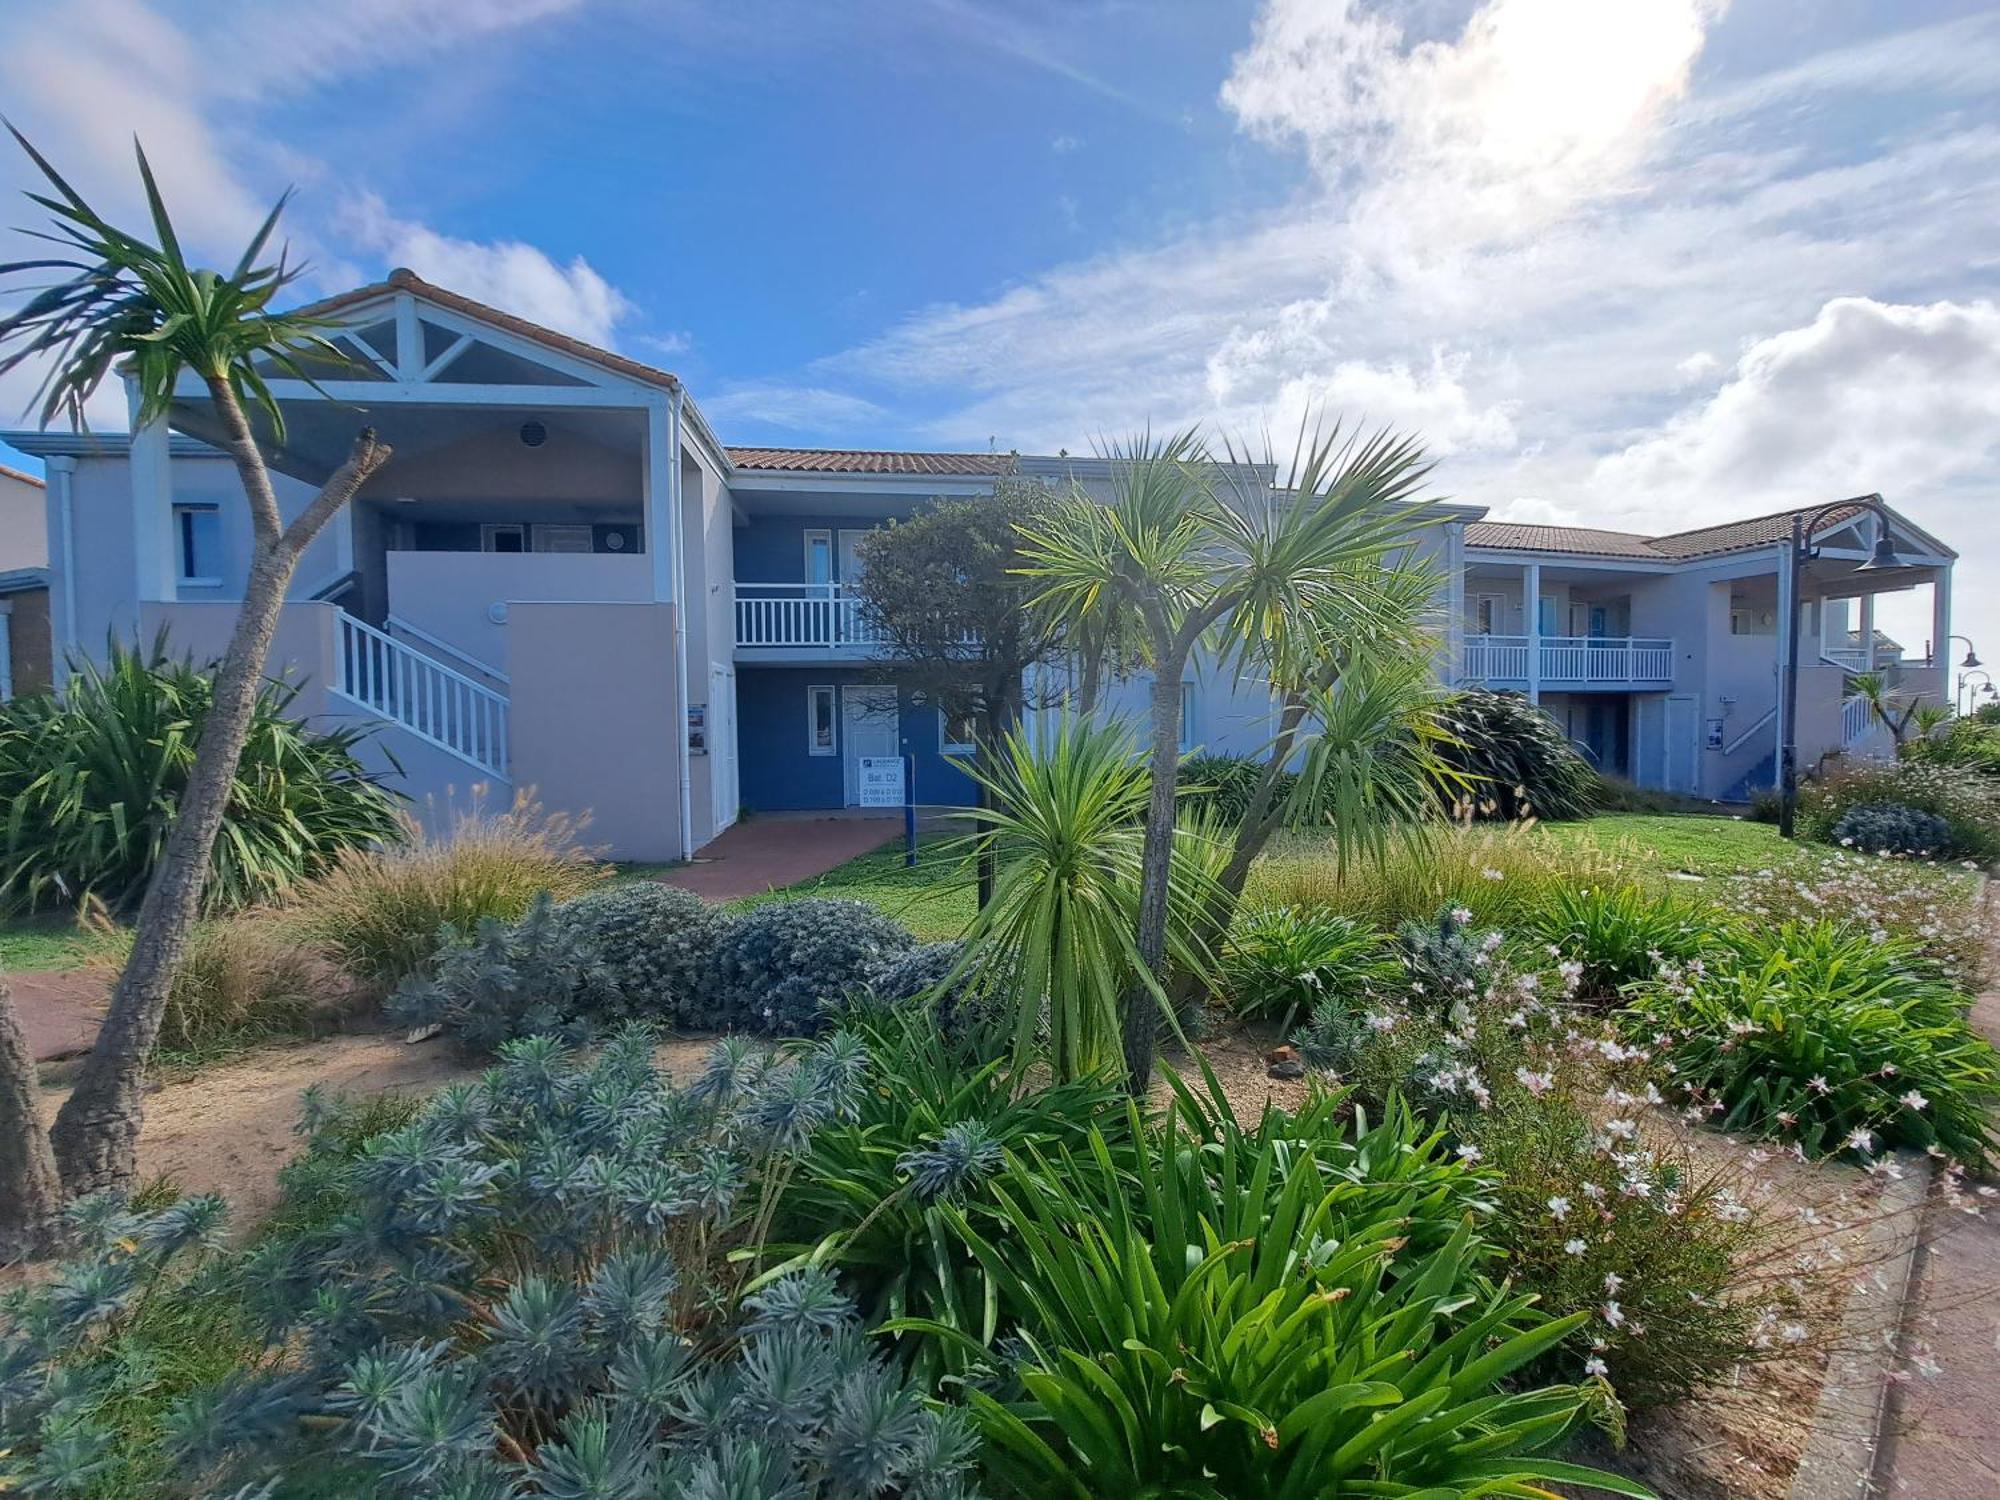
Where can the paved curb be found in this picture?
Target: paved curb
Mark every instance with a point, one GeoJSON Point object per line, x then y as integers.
{"type": "Point", "coordinates": [1845, 1446]}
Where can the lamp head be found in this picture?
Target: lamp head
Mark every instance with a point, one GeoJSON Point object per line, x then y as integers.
{"type": "Point", "coordinates": [1971, 659]}
{"type": "Point", "coordinates": [1883, 557]}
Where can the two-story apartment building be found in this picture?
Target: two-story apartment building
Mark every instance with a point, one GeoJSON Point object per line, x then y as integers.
{"type": "Point", "coordinates": [565, 580]}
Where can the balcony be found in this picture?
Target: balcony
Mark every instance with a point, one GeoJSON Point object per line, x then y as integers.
{"type": "Point", "coordinates": [786, 617]}
{"type": "Point", "coordinates": [1571, 661]}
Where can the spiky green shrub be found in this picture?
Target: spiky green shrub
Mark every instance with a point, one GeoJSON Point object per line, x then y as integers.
{"type": "Point", "coordinates": [539, 976]}
{"type": "Point", "coordinates": [1280, 959]}
{"type": "Point", "coordinates": [1972, 741]}
{"type": "Point", "coordinates": [1830, 1038]}
{"type": "Point", "coordinates": [930, 1128]}
{"type": "Point", "coordinates": [656, 944]}
{"type": "Point", "coordinates": [1620, 934]}
{"type": "Point", "coordinates": [1891, 828]}
{"type": "Point", "coordinates": [1446, 960]}
{"type": "Point", "coordinates": [968, 1007]}
{"type": "Point", "coordinates": [1515, 756]}
{"type": "Point", "coordinates": [528, 1294]}
{"type": "Point", "coordinates": [1274, 1333]}
{"type": "Point", "coordinates": [379, 913]}
{"type": "Point", "coordinates": [783, 968]}
{"type": "Point", "coordinates": [89, 782]}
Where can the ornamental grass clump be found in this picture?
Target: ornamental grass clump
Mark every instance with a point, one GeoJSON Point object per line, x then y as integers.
{"type": "Point", "coordinates": [1967, 799]}
{"type": "Point", "coordinates": [1828, 1038]}
{"type": "Point", "coordinates": [1512, 759]}
{"type": "Point", "coordinates": [1621, 934]}
{"type": "Point", "coordinates": [379, 913]}
{"type": "Point", "coordinates": [529, 1292]}
{"type": "Point", "coordinates": [1282, 959]}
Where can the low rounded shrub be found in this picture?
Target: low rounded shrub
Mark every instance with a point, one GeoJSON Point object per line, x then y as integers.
{"type": "Point", "coordinates": [1891, 828]}
{"type": "Point", "coordinates": [1515, 756]}
{"type": "Point", "coordinates": [1285, 958]}
{"type": "Point", "coordinates": [965, 1010]}
{"type": "Point", "coordinates": [1828, 1037]}
{"type": "Point", "coordinates": [780, 966]}
{"type": "Point", "coordinates": [1966, 799]}
{"type": "Point", "coordinates": [656, 945]}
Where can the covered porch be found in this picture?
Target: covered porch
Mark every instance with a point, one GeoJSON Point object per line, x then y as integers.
{"type": "Point", "coordinates": [1582, 633]}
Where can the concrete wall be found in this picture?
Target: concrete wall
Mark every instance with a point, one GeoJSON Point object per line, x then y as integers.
{"type": "Point", "coordinates": [494, 465]}
{"type": "Point", "coordinates": [24, 541]}
{"type": "Point", "coordinates": [451, 594]}
{"type": "Point", "coordinates": [596, 726]}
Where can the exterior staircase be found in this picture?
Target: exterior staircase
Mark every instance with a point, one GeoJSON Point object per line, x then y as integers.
{"type": "Point", "coordinates": [421, 695]}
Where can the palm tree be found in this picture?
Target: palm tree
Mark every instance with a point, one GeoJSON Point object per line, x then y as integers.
{"type": "Point", "coordinates": [1183, 551]}
{"type": "Point", "coordinates": [122, 302]}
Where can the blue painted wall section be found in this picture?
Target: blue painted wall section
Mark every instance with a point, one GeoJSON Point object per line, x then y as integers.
{"type": "Point", "coordinates": [777, 773]}
{"type": "Point", "coordinates": [772, 549]}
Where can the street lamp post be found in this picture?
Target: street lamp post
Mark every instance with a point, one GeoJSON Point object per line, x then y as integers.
{"type": "Point", "coordinates": [1958, 701]}
{"type": "Point", "coordinates": [1803, 551]}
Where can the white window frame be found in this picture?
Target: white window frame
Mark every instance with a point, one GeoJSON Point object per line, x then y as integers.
{"type": "Point", "coordinates": [488, 530]}
{"type": "Point", "coordinates": [548, 531]}
{"type": "Point", "coordinates": [813, 746]}
{"type": "Point", "coordinates": [824, 537]}
{"type": "Point", "coordinates": [184, 513]}
{"type": "Point", "coordinates": [947, 745]}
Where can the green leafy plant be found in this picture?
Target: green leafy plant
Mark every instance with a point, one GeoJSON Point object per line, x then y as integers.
{"type": "Point", "coordinates": [1966, 799]}
{"type": "Point", "coordinates": [1514, 760]}
{"type": "Point", "coordinates": [784, 967]}
{"type": "Point", "coordinates": [379, 913]}
{"type": "Point", "coordinates": [1281, 959]}
{"type": "Point", "coordinates": [656, 945]}
{"type": "Point", "coordinates": [967, 1011]}
{"type": "Point", "coordinates": [1280, 1333]}
{"type": "Point", "coordinates": [90, 782]}
{"type": "Point", "coordinates": [1826, 1037]}
{"type": "Point", "coordinates": [1223, 785]}
{"type": "Point", "coordinates": [1620, 934]}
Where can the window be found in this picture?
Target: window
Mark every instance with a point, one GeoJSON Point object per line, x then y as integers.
{"type": "Point", "coordinates": [1187, 717]}
{"type": "Point", "coordinates": [955, 733]}
{"type": "Point", "coordinates": [1545, 617]}
{"type": "Point", "coordinates": [821, 735]}
{"type": "Point", "coordinates": [507, 538]}
{"type": "Point", "coordinates": [562, 538]}
{"type": "Point", "coordinates": [198, 535]}
{"type": "Point", "coordinates": [1488, 614]}
{"type": "Point", "coordinates": [819, 557]}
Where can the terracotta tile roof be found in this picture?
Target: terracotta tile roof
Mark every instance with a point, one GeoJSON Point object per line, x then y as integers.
{"type": "Point", "coordinates": [1583, 539]}
{"type": "Point", "coordinates": [1736, 536]}
{"type": "Point", "coordinates": [869, 461]}
{"type": "Point", "coordinates": [404, 280]}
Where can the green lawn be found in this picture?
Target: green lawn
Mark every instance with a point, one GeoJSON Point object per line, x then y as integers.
{"type": "Point", "coordinates": [44, 943]}
{"type": "Point", "coordinates": [1697, 844]}
{"type": "Point", "coordinates": [935, 899]}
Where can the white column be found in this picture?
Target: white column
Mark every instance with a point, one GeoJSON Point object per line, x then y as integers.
{"type": "Point", "coordinates": [1941, 622]}
{"type": "Point", "coordinates": [409, 339]}
{"type": "Point", "coordinates": [1454, 625]}
{"type": "Point", "coordinates": [61, 472]}
{"type": "Point", "coordinates": [153, 514]}
{"type": "Point", "coordinates": [1531, 617]}
{"type": "Point", "coordinates": [1866, 630]}
{"type": "Point", "coordinates": [662, 480]}
{"type": "Point", "coordinates": [6, 650]}
{"type": "Point", "coordinates": [1788, 621]}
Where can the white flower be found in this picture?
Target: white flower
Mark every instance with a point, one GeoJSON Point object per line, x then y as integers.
{"type": "Point", "coordinates": [1614, 1314]}
{"type": "Point", "coordinates": [1612, 1282]}
{"type": "Point", "coordinates": [1559, 1207]}
{"type": "Point", "coordinates": [1462, 916]}
{"type": "Point", "coordinates": [1817, 1083]}
{"type": "Point", "coordinates": [1595, 1366]}
{"type": "Point", "coordinates": [1860, 1139]}
{"type": "Point", "coordinates": [1914, 1100]}
{"type": "Point", "coordinates": [1469, 1153]}
{"type": "Point", "coordinates": [1492, 874]}
{"type": "Point", "coordinates": [1574, 1247]}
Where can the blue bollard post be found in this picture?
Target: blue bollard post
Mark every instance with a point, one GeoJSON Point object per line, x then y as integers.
{"type": "Point", "coordinates": [909, 811]}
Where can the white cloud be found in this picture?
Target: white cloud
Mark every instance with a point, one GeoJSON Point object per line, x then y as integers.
{"type": "Point", "coordinates": [1867, 396]}
{"type": "Point", "coordinates": [827, 414]}
{"type": "Point", "coordinates": [1697, 366]}
{"type": "Point", "coordinates": [511, 275]}
{"type": "Point", "coordinates": [1066, 145]}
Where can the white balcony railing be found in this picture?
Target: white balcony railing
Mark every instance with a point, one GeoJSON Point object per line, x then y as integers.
{"type": "Point", "coordinates": [801, 614]}
{"type": "Point", "coordinates": [1568, 660]}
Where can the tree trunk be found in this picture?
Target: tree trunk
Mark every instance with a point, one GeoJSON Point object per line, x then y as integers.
{"type": "Point", "coordinates": [97, 1130]}
{"type": "Point", "coordinates": [30, 1189]}
{"type": "Point", "coordinates": [1155, 875]}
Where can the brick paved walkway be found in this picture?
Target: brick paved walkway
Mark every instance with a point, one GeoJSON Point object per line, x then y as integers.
{"type": "Point", "coordinates": [763, 853]}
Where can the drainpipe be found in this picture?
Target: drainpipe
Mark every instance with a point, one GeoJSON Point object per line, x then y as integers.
{"type": "Point", "coordinates": [61, 469]}
{"type": "Point", "coordinates": [680, 621]}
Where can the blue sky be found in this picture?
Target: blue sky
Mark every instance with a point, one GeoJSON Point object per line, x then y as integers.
{"type": "Point", "coordinates": [1642, 264]}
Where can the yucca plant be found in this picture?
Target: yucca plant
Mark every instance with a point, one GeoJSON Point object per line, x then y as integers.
{"type": "Point", "coordinates": [1277, 1333]}
{"type": "Point", "coordinates": [1060, 931]}
{"type": "Point", "coordinates": [92, 781]}
{"type": "Point", "coordinates": [1831, 1038]}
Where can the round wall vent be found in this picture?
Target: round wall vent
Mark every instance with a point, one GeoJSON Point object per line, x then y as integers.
{"type": "Point", "coordinates": [533, 434]}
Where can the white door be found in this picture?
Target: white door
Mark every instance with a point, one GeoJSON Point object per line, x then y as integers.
{"type": "Point", "coordinates": [868, 728]}
{"type": "Point", "coordinates": [1680, 744]}
{"type": "Point", "coordinates": [722, 745]}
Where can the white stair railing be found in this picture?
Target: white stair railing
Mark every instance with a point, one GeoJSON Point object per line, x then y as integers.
{"type": "Point", "coordinates": [1857, 720]}
{"type": "Point", "coordinates": [422, 694]}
